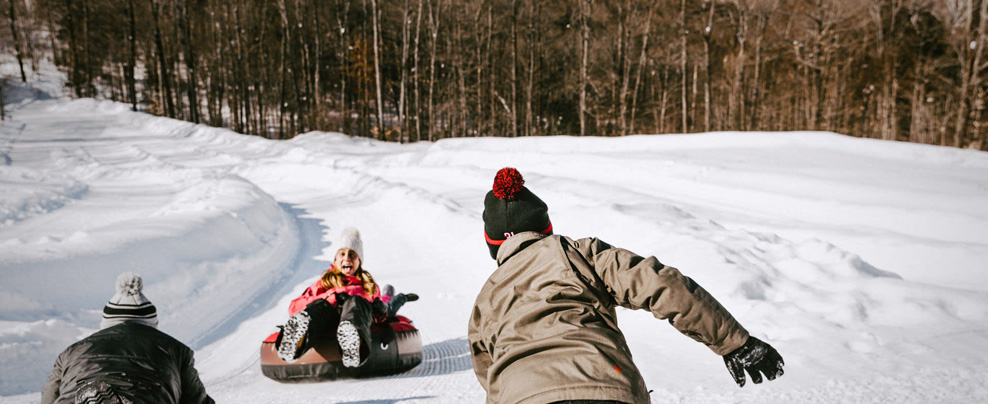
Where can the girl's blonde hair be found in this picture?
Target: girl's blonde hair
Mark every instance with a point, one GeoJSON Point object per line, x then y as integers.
{"type": "Point", "coordinates": [333, 278]}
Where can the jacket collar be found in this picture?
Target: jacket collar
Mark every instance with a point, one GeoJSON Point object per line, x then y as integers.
{"type": "Point", "coordinates": [516, 243]}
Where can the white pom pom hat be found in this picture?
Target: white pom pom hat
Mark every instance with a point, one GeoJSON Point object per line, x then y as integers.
{"type": "Point", "coordinates": [350, 238]}
{"type": "Point", "coordinates": [129, 304]}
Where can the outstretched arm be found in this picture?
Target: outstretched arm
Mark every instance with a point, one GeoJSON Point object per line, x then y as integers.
{"type": "Point", "coordinates": [645, 283]}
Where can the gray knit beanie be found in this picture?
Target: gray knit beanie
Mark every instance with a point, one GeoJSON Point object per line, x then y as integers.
{"type": "Point", "coordinates": [129, 304]}
{"type": "Point", "coordinates": [350, 238]}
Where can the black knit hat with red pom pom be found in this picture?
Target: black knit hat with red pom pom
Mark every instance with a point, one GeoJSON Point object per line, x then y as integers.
{"type": "Point", "coordinates": [510, 208]}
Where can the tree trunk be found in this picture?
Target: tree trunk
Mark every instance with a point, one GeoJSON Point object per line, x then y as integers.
{"type": "Point", "coordinates": [529, 88]}
{"type": "Point", "coordinates": [75, 70]}
{"type": "Point", "coordinates": [434, 28]}
{"type": "Point", "coordinates": [642, 59]}
{"type": "Point", "coordinates": [318, 108]}
{"type": "Point", "coordinates": [696, 91]}
{"type": "Point", "coordinates": [661, 126]}
{"type": "Point", "coordinates": [586, 8]}
{"type": "Point", "coordinates": [736, 103]}
{"type": "Point", "coordinates": [405, 38]}
{"type": "Point", "coordinates": [624, 65]}
{"type": "Point", "coordinates": [341, 24]}
{"type": "Point", "coordinates": [190, 62]}
{"type": "Point", "coordinates": [86, 51]}
{"type": "Point", "coordinates": [132, 58]}
{"type": "Point", "coordinates": [491, 94]}
{"type": "Point", "coordinates": [461, 75]}
{"type": "Point", "coordinates": [164, 81]}
{"type": "Point", "coordinates": [684, 31]}
{"type": "Point", "coordinates": [707, 37]}
{"type": "Point", "coordinates": [377, 74]}
{"type": "Point", "coordinates": [283, 70]}
{"type": "Point", "coordinates": [515, 4]}
{"type": "Point", "coordinates": [415, 74]}
{"type": "Point", "coordinates": [761, 25]}
{"type": "Point", "coordinates": [56, 56]}
{"type": "Point", "coordinates": [17, 42]}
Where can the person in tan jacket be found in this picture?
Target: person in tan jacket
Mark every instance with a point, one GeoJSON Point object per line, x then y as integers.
{"type": "Point", "coordinates": [544, 327]}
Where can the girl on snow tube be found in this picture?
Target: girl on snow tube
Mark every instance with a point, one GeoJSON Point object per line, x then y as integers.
{"type": "Point", "coordinates": [347, 296]}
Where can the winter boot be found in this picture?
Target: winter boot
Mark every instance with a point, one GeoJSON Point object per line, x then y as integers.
{"type": "Point", "coordinates": [293, 336]}
{"type": "Point", "coordinates": [349, 344]}
{"type": "Point", "coordinates": [353, 333]}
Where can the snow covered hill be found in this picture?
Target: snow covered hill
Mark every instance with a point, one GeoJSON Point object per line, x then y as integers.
{"type": "Point", "coordinates": [862, 261]}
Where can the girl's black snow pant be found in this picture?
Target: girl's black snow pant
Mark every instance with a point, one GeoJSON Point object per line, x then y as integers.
{"type": "Point", "coordinates": [324, 317]}
{"type": "Point", "coordinates": [359, 312]}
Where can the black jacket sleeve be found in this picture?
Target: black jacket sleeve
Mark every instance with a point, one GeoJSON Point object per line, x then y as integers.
{"type": "Point", "coordinates": [193, 392]}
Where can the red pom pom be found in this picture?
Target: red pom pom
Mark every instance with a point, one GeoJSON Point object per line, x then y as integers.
{"type": "Point", "coordinates": [507, 183]}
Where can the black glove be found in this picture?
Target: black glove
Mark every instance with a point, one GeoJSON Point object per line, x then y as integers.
{"type": "Point", "coordinates": [756, 357]}
{"type": "Point", "coordinates": [380, 309]}
{"type": "Point", "coordinates": [341, 298]}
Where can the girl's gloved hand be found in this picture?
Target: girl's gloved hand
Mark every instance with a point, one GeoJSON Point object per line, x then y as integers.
{"type": "Point", "coordinates": [757, 358]}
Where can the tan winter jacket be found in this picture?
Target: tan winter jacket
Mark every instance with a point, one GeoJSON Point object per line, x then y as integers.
{"type": "Point", "coordinates": [544, 327]}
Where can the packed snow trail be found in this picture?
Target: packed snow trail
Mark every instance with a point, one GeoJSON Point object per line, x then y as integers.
{"type": "Point", "coordinates": [861, 261]}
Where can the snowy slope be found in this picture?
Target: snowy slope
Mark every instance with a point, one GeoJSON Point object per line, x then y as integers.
{"type": "Point", "coordinates": [862, 261]}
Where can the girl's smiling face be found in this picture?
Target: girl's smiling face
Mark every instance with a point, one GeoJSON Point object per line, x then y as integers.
{"type": "Point", "coordinates": [347, 261]}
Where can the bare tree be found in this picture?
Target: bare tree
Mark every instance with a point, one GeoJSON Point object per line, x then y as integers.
{"type": "Point", "coordinates": [405, 42]}
{"type": "Point", "coordinates": [586, 7]}
{"type": "Point", "coordinates": [190, 59]}
{"type": "Point", "coordinates": [642, 60]}
{"type": "Point", "coordinates": [708, 32]}
{"type": "Point", "coordinates": [132, 57]}
{"type": "Point", "coordinates": [684, 31]}
{"type": "Point", "coordinates": [435, 8]}
{"type": "Point", "coordinates": [164, 80]}
{"type": "Point", "coordinates": [17, 42]}
{"type": "Point", "coordinates": [893, 69]}
{"type": "Point", "coordinates": [377, 74]}
{"type": "Point", "coordinates": [967, 41]}
{"type": "Point", "coordinates": [415, 72]}
{"type": "Point", "coordinates": [343, 46]}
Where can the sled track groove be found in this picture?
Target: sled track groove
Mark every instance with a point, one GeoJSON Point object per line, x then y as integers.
{"type": "Point", "coordinates": [443, 358]}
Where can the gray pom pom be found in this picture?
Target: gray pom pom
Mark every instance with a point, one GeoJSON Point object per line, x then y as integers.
{"type": "Point", "coordinates": [129, 284]}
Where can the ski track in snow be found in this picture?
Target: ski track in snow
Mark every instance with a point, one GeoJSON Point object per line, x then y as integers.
{"type": "Point", "coordinates": [95, 188]}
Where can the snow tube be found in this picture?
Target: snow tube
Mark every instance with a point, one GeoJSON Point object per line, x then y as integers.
{"type": "Point", "coordinates": [396, 347]}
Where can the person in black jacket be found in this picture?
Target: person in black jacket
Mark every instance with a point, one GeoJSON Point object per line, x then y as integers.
{"type": "Point", "coordinates": [128, 361]}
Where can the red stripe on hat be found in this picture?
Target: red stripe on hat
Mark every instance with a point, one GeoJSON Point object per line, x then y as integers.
{"type": "Point", "coordinates": [499, 242]}
{"type": "Point", "coordinates": [492, 241]}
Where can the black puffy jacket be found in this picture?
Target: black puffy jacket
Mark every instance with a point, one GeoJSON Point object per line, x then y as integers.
{"type": "Point", "coordinates": [138, 362]}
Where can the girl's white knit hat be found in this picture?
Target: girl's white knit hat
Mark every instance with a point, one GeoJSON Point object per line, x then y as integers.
{"type": "Point", "coordinates": [129, 304]}
{"type": "Point", "coordinates": [350, 238]}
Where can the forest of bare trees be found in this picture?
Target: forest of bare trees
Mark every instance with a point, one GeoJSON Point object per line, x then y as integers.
{"type": "Point", "coordinates": [412, 70]}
